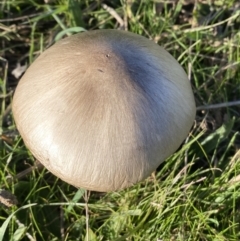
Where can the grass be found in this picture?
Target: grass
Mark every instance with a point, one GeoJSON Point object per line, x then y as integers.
{"type": "Point", "coordinates": [195, 194]}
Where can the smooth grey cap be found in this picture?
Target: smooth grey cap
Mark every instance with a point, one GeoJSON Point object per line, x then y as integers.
{"type": "Point", "coordinates": [102, 109]}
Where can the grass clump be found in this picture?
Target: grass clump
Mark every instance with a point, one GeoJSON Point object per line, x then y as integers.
{"type": "Point", "coordinates": [194, 195]}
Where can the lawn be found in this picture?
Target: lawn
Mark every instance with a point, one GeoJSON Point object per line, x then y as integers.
{"type": "Point", "coordinates": [195, 193]}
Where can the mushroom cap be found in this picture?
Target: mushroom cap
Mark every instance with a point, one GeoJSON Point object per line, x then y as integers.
{"type": "Point", "coordinates": [102, 109]}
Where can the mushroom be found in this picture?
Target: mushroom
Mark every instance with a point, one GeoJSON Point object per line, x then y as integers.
{"type": "Point", "coordinates": [102, 109]}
